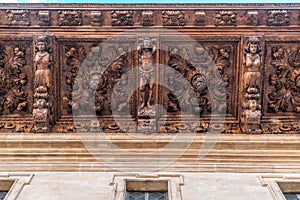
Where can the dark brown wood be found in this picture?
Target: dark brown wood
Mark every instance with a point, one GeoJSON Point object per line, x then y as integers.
{"type": "Point", "coordinates": [260, 99]}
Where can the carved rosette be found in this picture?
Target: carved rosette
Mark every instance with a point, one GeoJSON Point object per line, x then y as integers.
{"type": "Point", "coordinates": [225, 18]}
{"type": "Point", "coordinates": [96, 18]}
{"type": "Point", "coordinates": [13, 79]}
{"type": "Point", "coordinates": [285, 80]}
{"type": "Point", "coordinates": [69, 18]}
{"type": "Point", "coordinates": [278, 18]}
{"type": "Point", "coordinates": [200, 18]}
{"type": "Point", "coordinates": [18, 17]}
{"type": "Point", "coordinates": [147, 18]}
{"type": "Point", "coordinates": [44, 18]}
{"type": "Point", "coordinates": [251, 108]}
{"type": "Point", "coordinates": [173, 18]}
{"type": "Point", "coordinates": [42, 107]}
{"type": "Point", "coordinates": [252, 18]}
{"type": "Point", "coordinates": [122, 18]}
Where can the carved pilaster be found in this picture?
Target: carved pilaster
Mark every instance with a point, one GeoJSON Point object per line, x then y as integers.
{"type": "Point", "coordinates": [42, 86]}
{"type": "Point", "coordinates": [251, 108]}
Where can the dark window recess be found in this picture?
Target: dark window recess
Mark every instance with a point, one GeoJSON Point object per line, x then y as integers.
{"type": "Point", "coordinates": [3, 194]}
{"type": "Point", "coordinates": [146, 196]}
{"type": "Point", "coordinates": [292, 196]}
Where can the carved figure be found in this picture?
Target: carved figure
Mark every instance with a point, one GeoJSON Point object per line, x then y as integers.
{"type": "Point", "coordinates": [146, 50]}
{"type": "Point", "coordinates": [42, 63]}
{"type": "Point", "coordinates": [252, 64]}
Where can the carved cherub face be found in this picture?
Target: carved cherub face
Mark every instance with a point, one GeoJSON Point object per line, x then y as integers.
{"type": "Point", "coordinates": [253, 48]}
{"type": "Point", "coordinates": [95, 80]}
{"type": "Point", "coordinates": [41, 46]}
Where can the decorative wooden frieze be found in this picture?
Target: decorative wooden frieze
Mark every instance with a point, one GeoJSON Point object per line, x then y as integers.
{"type": "Point", "coordinates": [285, 80]}
{"type": "Point", "coordinates": [122, 18]}
{"type": "Point", "coordinates": [69, 18]}
{"type": "Point", "coordinates": [42, 106]}
{"type": "Point", "coordinates": [278, 18]}
{"type": "Point", "coordinates": [96, 18]}
{"type": "Point", "coordinates": [18, 17]}
{"type": "Point", "coordinates": [13, 79]}
{"type": "Point", "coordinates": [147, 18]}
{"type": "Point", "coordinates": [200, 18]}
{"type": "Point", "coordinates": [225, 18]}
{"type": "Point", "coordinates": [252, 18]}
{"type": "Point", "coordinates": [251, 108]}
{"type": "Point", "coordinates": [173, 18]}
{"type": "Point", "coordinates": [44, 18]}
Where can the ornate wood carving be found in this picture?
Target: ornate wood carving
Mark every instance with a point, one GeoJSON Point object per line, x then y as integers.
{"type": "Point", "coordinates": [252, 18]}
{"type": "Point", "coordinates": [44, 18]}
{"type": "Point", "coordinates": [18, 17]}
{"type": "Point", "coordinates": [225, 18]}
{"type": "Point", "coordinates": [278, 18]}
{"type": "Point", "coordinates": [147, 18]}
{"type": "Point", "coordinates": [285, 80]}
{"type": "Point", "coordinates": [69, 18]}
{"type": "Point", "coordinates": [96, 18]}
{"type": "Point", "coordinates": [122, 18]}
{"type": "Point", "coordinates": [173, 18]}
{"type": "Point", "coordinates": [13, 79]}
{"type": "Point", "coordinates": [200, 18]}
{"type": "Point", "coordinates": [42, 107]}
{"type": "Point", "coordinates": [251, 109]}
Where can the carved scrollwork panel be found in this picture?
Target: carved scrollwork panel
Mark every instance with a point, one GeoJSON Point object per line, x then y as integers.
{"type": "Point", "coordinates": [122, 18]}
{"type": "Point", "coordinates": [15, 79]}
{"type": "Point", "coordinates": [283, 79]}
{"type": "Point", "coordinates": [18, 17]}
{"type": "Point", "coordinates": [69, 18]}
{"type": "Point", "coordinates": [225, 18]}
{"type": "Point", "coordinates": [173, 18]}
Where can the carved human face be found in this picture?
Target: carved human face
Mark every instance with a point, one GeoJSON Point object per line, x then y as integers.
{"type": "Point", "coordinates": [253, 48]}
{"type": "Point", "coordinates": [147, 43]}
{"type": "Point", "coordinates": [95, 80]}
{"type": "Point", "coordinates": [41, 46]}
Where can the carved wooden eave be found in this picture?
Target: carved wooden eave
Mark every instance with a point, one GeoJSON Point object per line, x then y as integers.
{"type": "Point", "coordinates": [220, 33]}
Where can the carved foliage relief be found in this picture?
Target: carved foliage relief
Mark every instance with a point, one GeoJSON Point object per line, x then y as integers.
{"type": "Point", "coordinates": [122, 18]}
{"type": "Point", "coordinates": [225, 18]}
{"type": "Point", "coordinates": [173, 18]}
{"type": "Point", "coordinates": [13, 79]}
{"type": "Point", "coordinates": [69, 18]}
{"type": "Point", "coordinates": [96, 72]}
{"type": "Point", "coordinates": [18, 17]}
{"type": "Point", "coordinates": [215, 60]}
{"type": "Point", "coordinates": [283, 78]}
{"type": "Point", "coordinates": [278, 18]}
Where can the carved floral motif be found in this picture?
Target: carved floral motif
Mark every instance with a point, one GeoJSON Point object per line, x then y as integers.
{"type": "Point", "coordinates": [18, 17]}
{"type": "Point", "coordinates": [278, 18]}
{"type": "Point", "coordinates": [69, 18]}
{"type": "Point", "coordinates": [122, 18]}
{"type": "Point", "coordinates": [13, 78]}
{"type": "Point", "coordinates": [173, 18]}
{"type": "Point", "coordinates": [285, 80]}
{"type": "Point", "coordinates": [225, 18]}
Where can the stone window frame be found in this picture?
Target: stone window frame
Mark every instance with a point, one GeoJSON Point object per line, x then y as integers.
{"type": "Point", "coordinates": [275, 183]}
{"type": "Point", "coordinates": [118, 182]}
{"type": "Point", "coordinates": [19, 181]}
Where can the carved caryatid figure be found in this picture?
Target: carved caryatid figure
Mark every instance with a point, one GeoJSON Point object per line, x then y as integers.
{"type": "Point", "coordinates": [42, 85]}
{"type": "Point", "coordinates": [42, 62]}
{"type": "Point", "coordinates": [146, 51]}
{"type": "Point", "coordinates": [252, 82]}
{"type": "Point", "coordinates": [252, 64]}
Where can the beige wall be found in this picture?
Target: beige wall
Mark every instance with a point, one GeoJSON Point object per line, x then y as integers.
{"type": "Point", "coordinates": [92, 186]}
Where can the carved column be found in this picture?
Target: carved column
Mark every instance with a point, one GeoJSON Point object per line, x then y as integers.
{"type": "Point", "coordinates": [147, 70]}
{"type": "Point", "coordinates": [251, 85]}
{"type": "Point", "coordinates": [42, 85]}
